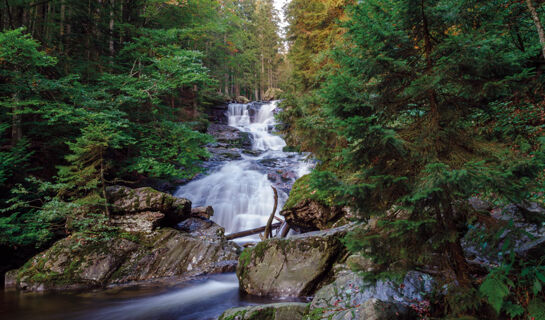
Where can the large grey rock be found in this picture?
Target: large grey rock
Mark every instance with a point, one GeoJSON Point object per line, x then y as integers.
{"type": "Point", "coordinates": [274, 311]}
{"type": "Point", "coordinates": [351, 297]}
{"type": "Point", "coordinates": [311, 215]}
{"type": "Point", "coordinates": [144, 209]}
{"type": "Point", "coordinates": [176, 254]}
{"type": "Point", "coordinates": [521, 226]}
{"type": "Point", "coordinates": [77, 262]}
{"type": "Point", "coordinates": [227, 136]}
{"type": "Point", "coordinates": [294, 266]}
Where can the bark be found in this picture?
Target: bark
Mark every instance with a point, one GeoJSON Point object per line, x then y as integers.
{"type": "Point", "coordinates": [538, 24]}
{"type": "Point", "coordinates": [250, 232]}
{"type": "Point", "coordinates": [428, 47]}
{"type": "Point", "coordinates": [61, 24]}
{"type": "Point", "coordinates": [111, 27]}
{"type": "Point", "coordinates": [268, 230]}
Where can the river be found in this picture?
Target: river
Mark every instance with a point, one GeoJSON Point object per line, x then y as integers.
{"type": "Point", "coordinates": [240, 193]}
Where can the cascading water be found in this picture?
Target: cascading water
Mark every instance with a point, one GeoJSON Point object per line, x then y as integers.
{"type": "Point", "coordinates": [240, 191]}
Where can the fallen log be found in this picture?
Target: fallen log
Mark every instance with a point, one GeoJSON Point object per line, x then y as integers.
{"type": "Point", "coordinates": [250, 232]}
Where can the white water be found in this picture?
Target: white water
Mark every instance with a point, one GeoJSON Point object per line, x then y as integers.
{"type": "Point", "coordinates": [239, 117]}
{"type": "Point", "coordinates": [241, 195]}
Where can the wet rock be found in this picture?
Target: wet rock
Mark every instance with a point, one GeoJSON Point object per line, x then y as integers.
{"type": "Point", "coordinates": [224, 154]}
{"type": "Point", "coordinates": [202, 212]}
{"type": "Point", "coordinates": [217, 113]}
{"type": "Point", "coordinates": [295, 266]}
{"type": "Point", "coordinates": [175, 254]}
{"type": "Point", "coordinates": [78, 262]}
{"type": "Point", "coordinates": [144, 209]}
{"type": "Point", "coordinates": [10, 280]}
{"type": "Point", "coordinates": [227, 136]}
{"type": "Point", "coordinates": [274, 311]}
{"type": "Point", "coordinates": [311, 215]}
{"type": "Point", "coordinates": [195, 224]}
{"type": "Point", "coordinates": [74, 262]}
{"type": "Point", "coordinates": [351, 297]}
{"type": "Point", "coordinates": [254, 153]}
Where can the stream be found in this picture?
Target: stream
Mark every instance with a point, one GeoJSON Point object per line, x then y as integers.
{"type": "Point", "coordinates": [240, 192]}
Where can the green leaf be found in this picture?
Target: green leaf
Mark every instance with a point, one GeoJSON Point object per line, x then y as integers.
{"type": "Point", "coordinates": [536, 309]}
{"type": "Point", "coordinates": [537, 287]}
{"type": "Point", "coordinates": [495, 292]}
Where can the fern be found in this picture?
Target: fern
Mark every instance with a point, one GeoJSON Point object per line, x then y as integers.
{"type": "Point", "coordinates": [536, 308]}
{"type": "Point", "coordinates": [495, 292]}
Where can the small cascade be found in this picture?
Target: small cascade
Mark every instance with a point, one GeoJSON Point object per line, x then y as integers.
{"type": "Point", "coordinates": [240, 191]}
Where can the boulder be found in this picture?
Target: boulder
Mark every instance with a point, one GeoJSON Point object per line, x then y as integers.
{"type": "Point", "coordinates": [374, 309]}
{"type": "Point", "coordinates": [242, 99]}
{"type": "Point", "coordinates": [519, 225]}
{"type": "Point", "coordinates": [10, 280]}
{"type": "Point", "coordinates": [274, 311]}
{"type": "Point", "coordinates": [308, 210]}
{"type": "Point", "coordinates": [294, 266]}
{"type": "Point", "coordinates": [224, 154]}
{"type": "Point", "coordinates": [144, 209]}
{"type": "Point", "coordinates": [202, 212]}
{"type": "Point", "coordinates": [272, 94]}
{"type": "Point", "coordinates": [351, 297]}
{"type": "Point", "coordinates": [311, 215]}
{"type": "Point", "coordinates": [175, 254]}
{"type": "Point", "coordinates": [78, 262]}
{"type": "Point", "coordinates": [227, 136]}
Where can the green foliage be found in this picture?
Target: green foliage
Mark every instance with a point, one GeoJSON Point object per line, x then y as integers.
{"type": "Point", "coordinates": [515, 289]}
{"type": "Point", "coordinates": [421, 106]}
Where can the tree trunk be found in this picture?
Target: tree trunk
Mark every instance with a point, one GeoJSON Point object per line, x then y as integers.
{"type": "Point", "coordinates": [61, 25]}
{"type": "Point", "coordinates": [538, 24]}
{"type": "Point", "coordinates": [16, 118]}
{"type": "Point", "coordinates": [428, 47]}
{"type": "Point", "coordinates": [111, 27]}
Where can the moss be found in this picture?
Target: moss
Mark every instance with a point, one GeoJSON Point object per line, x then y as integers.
{"type": "Point", "coordinates": [240, 314]}
{"type": "Point", "coordinates": [263, 314]}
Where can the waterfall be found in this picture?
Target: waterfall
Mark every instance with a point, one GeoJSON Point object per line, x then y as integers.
{"type": "Point", "coordinates": [240, 191]}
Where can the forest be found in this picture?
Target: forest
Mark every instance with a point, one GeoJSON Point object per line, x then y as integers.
{"type": "Point", "coordinates": [424, 121]}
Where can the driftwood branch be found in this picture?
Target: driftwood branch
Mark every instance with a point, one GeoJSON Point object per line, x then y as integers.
{"type": "Point", "coordinates": [284, 229]}
{"type": "Point", "coordinates": [268, 230]}
{"type": "Point", "coordinates": [250, 232]}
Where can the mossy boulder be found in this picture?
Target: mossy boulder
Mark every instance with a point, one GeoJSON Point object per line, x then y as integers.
{"type": "Point", "coordinates": [75, 262]}
{"type": "Point", "coordinates": [78, 262]}
{"type": "Point", "coordinates": [144, 209]}
{"type": "Point", "coordinates": [295, 266]}
{"type": "Point", "coordinates": [229, 137]}
{"type": "Point", "coordinates": [272, 94]}
{"type": "Point", "coordinates": [349, 296]}
{"type": "Point", "coordinates": [308, 210]}
{"type": "Point", "coordinates": [274, 311]}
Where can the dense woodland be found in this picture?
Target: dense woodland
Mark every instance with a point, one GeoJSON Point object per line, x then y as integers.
{"type": "Point", "coordinates": [95, 93]}
{"type": "Point", "coordinates": [411, 108]}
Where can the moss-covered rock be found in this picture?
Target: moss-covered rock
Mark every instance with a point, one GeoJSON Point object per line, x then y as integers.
{"type": "Point", "coordinates": [351, 297]}
{"type": "Point", "coordinates": [294, 266]}
{"type": "Point", "coordinates": [274, 311]}
{"type": "Point", "coordinates": [307, 209]}
{"type": "Point", "coordinates": [144, 209]}
{"type": "Point", "coordinates": [77, 262]}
